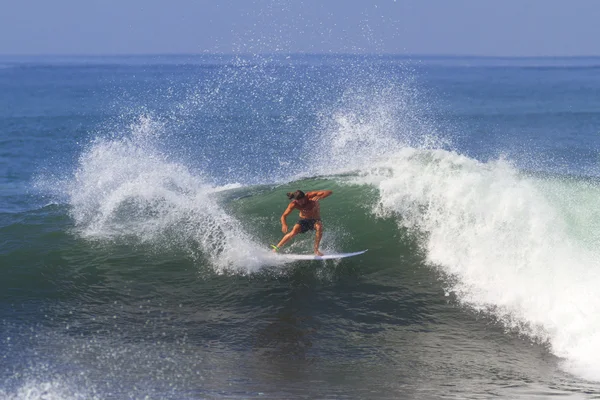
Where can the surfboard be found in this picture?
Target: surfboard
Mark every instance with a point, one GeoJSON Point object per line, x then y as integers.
{"type": "Point", "coordinates": [324, 257]}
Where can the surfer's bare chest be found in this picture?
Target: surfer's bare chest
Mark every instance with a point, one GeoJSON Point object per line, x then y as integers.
{"type": "Point", "coordinates": [309, 210]}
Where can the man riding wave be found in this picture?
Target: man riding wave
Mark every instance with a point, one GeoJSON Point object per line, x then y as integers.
{"type": "Point", "coordinates": [310, 216]}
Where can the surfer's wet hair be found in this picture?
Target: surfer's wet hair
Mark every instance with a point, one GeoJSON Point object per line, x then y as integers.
{"type": "Point", "coordinates": [297, 195]}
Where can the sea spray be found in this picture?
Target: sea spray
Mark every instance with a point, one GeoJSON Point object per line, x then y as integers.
{"type": "Point", "coordinates": [377, 114]}
{"type": "Point", "coordinates": [47, 390]}
{"type": "Point", "coordinates": [124, 187]}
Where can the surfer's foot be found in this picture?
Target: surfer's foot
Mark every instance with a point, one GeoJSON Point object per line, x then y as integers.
{"type": "Point", "coordinates": [275, 248]}
{"type": "Point", "coordinates": [318, 253]}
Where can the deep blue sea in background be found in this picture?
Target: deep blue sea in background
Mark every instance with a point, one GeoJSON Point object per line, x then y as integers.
{"type": "Point", "coordinates": [139, 196]}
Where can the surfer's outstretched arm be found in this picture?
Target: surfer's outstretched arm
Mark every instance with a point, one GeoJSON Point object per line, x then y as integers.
{"type": "Point", "coordinates": [319, 194]}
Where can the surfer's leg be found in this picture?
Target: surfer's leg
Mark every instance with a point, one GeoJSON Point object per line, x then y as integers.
{"type": "Point", "coordinates": [295, 230]}
{"type": "Point", "coordinates": [318, 236]}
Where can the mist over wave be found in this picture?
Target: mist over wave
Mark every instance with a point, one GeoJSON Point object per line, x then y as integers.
{"type": "Point", "coordinates": [125, 188]}
{"type": "Point", "coordinates": [372, 120]}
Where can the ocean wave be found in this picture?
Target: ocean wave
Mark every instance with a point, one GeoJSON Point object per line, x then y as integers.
{"type": "Point", "coordinates": [514, 246]}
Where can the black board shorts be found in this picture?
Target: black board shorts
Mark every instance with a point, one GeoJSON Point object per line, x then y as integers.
{"type": "Point", "coordinates": [307, 224]}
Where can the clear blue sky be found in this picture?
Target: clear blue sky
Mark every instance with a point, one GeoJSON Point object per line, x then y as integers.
{"type": "Point", "coordinates": [474, 27]}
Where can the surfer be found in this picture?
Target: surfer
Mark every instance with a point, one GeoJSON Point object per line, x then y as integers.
{"type": "Point", "coordinates": [310, 216]}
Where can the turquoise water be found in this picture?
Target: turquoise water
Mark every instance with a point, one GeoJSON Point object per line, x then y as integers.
{"type": "Point", "coordinates": [139, 196]}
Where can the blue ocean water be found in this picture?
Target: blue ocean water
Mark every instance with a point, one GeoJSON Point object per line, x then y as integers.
{"type": "Point", "coordinates": [139, 196]}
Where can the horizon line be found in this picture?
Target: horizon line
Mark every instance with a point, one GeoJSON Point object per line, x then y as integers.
{"type": "Point", "coordinates": [232, 54]}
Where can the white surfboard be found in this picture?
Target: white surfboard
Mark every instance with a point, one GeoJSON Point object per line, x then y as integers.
{"type": "Point", "coordinates": [324, 257]}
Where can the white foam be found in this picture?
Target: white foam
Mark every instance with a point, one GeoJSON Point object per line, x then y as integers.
{"type": "Point", "coordinates": [505, 242]}
{"type": "Point", "coordinates": [126, 187]}
{"type": "Point", "coordinates": [46, 390]}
